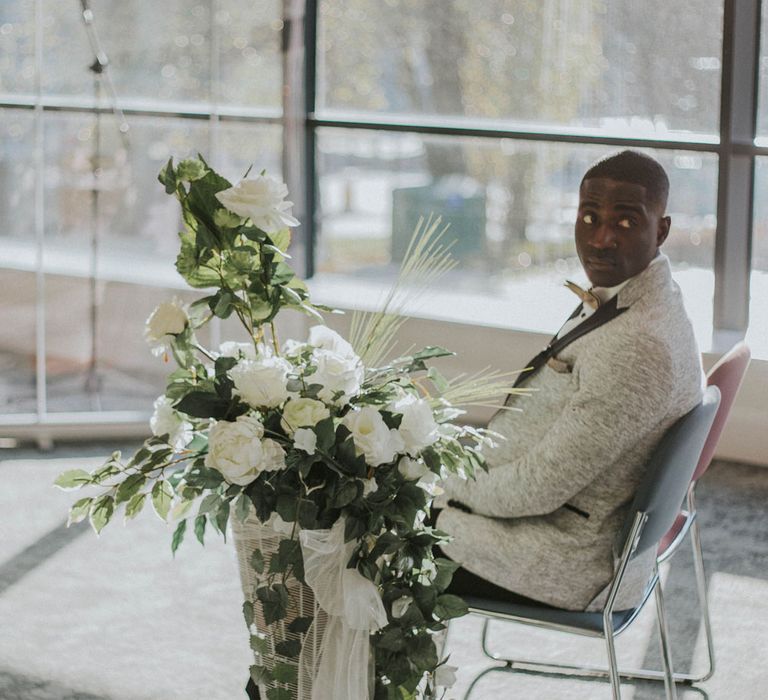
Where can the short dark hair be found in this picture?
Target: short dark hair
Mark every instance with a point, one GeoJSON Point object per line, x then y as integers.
{"type": "Point", "coordinates": [637, 168]}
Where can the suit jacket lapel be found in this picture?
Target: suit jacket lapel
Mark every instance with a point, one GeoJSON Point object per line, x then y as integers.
{"type": "Point", "coordinates": [604, 313]}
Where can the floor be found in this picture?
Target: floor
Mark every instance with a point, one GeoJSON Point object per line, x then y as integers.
{"type": "Point", "coordinates": [119, 618]}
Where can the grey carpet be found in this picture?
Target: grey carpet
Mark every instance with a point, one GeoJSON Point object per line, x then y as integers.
{"type": "Point", "coordinates": [120, 619]}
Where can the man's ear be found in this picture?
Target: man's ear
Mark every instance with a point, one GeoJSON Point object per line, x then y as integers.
{"type": "Point", "coordinates": [663, 231]}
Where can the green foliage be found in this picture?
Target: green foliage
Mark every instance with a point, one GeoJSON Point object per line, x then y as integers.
{"type": "Point", "coordinates": [247, 276]}
{"type": "Point", "coordinates": [178, 535]}
{"type": "Point", "coordinates": [101, 511]}
{"type": "Point", "coordinates": [73, 479]}
{"type": "Point", "coordinates": [162, 494]}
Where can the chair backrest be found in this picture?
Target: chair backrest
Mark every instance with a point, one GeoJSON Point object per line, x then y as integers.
{"type": "Point", "coordinates": [670, 469]}
{"type": "Point", "coordinates": [727, 375]}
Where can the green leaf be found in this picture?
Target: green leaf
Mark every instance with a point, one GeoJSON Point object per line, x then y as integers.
{"type": "Point", "coordinates": [79, 511]}
{"type": "Point", "coordinates": [200, 522]}
{"type": "Point", "coordinates": [445, 570]}
{"type": "Point", "coordinates": [129, 487]}
{"type": "Point", "coordinates": [221, 519]}
{"type": "Point", "coordinates": [290, 648]}
{"type": "Point", "coordinates": [202, 404]}
{"type": "Point", "coordinates": [225, 305]}
{"type": "Point", "coordinates": [162, 494]}
{"type": "Point", "coordinates": [181, 509]}
{"type": "Point", "coordinates": [189, 264]}
{"type": "Point", "coordinates": [449, 606]}
{"type": "Point", "coordinates": [102, 474]}
{"type": "Point", "coordinates": [286, 507]}
{"type": "Point", "coordinates": [248, 613]}
{"type": "Point", "coordinates": [288, 556]}
{"type": "Point", "coordinates": [101, 512]}
{"type": "Point", "coordinates": [274, 602]}
{"type": "Point", "coordinates": [307, 514]}
{"type": "Point", "coordinates": [202, 477]}
{"type": "Point", "coordinates": [210, 504]}
{"type": "Point", "coordinates": [260, 674]}
{"type": "Point", "coordinates": [422, 652]}
{"type": "Point", "coordinates": [135, 505]}
{"type": "Point", "coordinates": [178, 535]}
{"type": "Point", "coordinates": [260, 644]}
{"type": "Point", "coordinates": [347, 492]}
{"type": "Point", "coordinates": [257, 561]}
{"type": "Point", "coordinates": [286, 673]}
{"type": "Point", "coordinates": [440, 382]}
{"type": "Point", "coordinates": [326, 435]}
{"type": "Point", "coordinates": [300, 625]}
{"type": "Point", "coordinates": [72, 479]}
{"type": "Point", "coordinates": [242, 507]}
{"type": "Point", "coordinates": [167, 177]}
{"type": "Point", "coordinates": [391, 639]}
{"type": "Point", "coordinates": [190, 169]}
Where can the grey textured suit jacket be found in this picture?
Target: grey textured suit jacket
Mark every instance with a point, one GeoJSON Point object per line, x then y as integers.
{"type": "Point", "coordinates": [547, 514]}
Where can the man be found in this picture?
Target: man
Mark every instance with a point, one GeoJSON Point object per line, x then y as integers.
{"type": "Point", "coordinates": [543, 522]}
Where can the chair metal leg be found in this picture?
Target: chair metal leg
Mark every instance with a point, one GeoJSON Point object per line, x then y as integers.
{"type": "Point", "coordinates": [613, 666]}
{"type": "Point", "coordinates": [701, 583]}
{"type": "Point", "coordinates": [666, 652]}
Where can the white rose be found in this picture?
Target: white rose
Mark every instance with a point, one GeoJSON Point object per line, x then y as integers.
{"type": "Point", "coordinates": [305, 439]}
{"type": "Point", "coordinates": [303, 413]}
{"type": "Point", "coordinates": [237, 350]}
{"type": "Point", "coordinates": [261, 383]}
{"type": "Point", "coordinates": [323, 337]}
{"type": "Point", "coordinates": [372, 437]}
{"type": "Point", "coordinates": [336, 373]}
{"type": "Point", "coordinates": [235, 450]}
{"type": "Point", "coordinates": [412, 468]}
{"type": "Point", "coordinates": [166, 321]}
{"type": "Point", "coordinates": [418, 427]}
{"type": "Point", "coordinates": [262, 200]}
{"type": "Point", "coordinates": [167, 421]}
{"type": "Point", "coordinates": [445, 676]}
{"type": "Point", "coordinates": [400, 606]}
{"type": "Point", "coordinates": [273, 456]}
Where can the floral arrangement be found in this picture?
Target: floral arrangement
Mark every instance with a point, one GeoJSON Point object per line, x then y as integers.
{"type": "Point", "coordinates": [310, 435]}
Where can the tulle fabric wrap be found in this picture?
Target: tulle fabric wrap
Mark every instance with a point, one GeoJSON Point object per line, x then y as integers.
{"type": "Point", "coordinates": [354, 609]}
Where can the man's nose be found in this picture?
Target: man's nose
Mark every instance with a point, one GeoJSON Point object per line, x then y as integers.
{"type": "Point", "coordinates": [603, 237]}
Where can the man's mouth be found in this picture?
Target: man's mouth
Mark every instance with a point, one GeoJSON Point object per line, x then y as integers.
{"type": "Point", "coordinates": [601, 263]}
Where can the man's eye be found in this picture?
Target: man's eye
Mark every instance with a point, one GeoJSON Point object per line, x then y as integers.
{"type": "Point", "coordinates": [588, 219]}
{"type": "Point", "coordinates": [625, 223]}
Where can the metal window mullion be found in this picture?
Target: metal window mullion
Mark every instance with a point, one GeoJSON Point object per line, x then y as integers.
{"type": "Point", "coordinates": [214, 125]}
{"type": "Point", "coordinates": [41, 388]}
{"type": "Point", "coordinates": [736, 182]}
{"type": "Point", "coordinates": [299, 29]}
{"type": "Point", "coordinates": [310, 136]}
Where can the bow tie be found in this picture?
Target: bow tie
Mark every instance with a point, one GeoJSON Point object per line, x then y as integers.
{"type": "Point", "coordinates": [586, 297]}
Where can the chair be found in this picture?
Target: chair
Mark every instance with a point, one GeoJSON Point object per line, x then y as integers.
{"type": "Point", "coordinates": [655, 508]}
{"type": "Point", "coordinates": [727, 375]}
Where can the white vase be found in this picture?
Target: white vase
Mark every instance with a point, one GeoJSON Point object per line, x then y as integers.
{"type": "Point", "coordinates": [249, 536]}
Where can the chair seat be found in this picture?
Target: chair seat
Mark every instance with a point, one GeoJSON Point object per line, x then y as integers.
{"type": "Point", "coordinates": [588, 621]}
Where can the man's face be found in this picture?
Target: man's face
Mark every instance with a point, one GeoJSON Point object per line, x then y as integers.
{"type": "Point", "coordinates": [618, 230]}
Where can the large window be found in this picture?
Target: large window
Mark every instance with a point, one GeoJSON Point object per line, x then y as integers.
{"type": "Point", "coordinates": [89, 237]}
{"type": "Point", "coordinates": [489, 117]}
{"type": "Point", "coordinates": [484, 113]}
